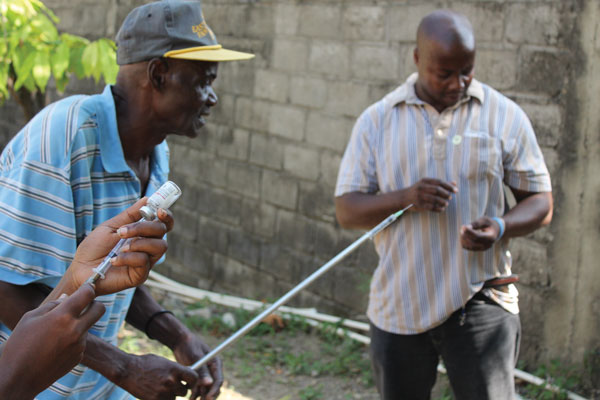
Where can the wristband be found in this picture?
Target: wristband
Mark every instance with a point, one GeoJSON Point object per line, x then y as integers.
{"type": "Point", "coordinates": [502, 225]}
{"type": "Point", "coordinates": [156, 314]}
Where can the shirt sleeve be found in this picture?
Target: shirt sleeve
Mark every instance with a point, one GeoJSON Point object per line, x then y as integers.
{"type": "Point", "coordinates": [523, 161]}
{"type": "Point", "coordinates": [37, 224]}
{"type": "Point", "coordinates": [358, 167]}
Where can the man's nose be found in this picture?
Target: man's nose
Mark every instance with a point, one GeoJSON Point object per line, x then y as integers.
{"type": "Point", "coordinates": [212, 99]}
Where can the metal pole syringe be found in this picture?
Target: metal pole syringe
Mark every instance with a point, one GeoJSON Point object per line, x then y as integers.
{"type": "Point", "coordinates": [310, 279]}
{"type": "Point", "coordinates": [163, 198]}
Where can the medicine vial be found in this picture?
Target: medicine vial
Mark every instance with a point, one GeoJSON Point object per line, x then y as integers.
{"type": "Point", "coordinates": [163, 198]}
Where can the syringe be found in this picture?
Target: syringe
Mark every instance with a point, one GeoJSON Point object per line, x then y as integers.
{"type": "Point", "coordinates": [163, 198]}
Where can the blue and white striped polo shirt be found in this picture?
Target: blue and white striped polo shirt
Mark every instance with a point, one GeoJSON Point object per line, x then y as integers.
{"type": "Point", "coordinates": [424, 274]}
{"type": "Point", "coordinates": [62, 175]}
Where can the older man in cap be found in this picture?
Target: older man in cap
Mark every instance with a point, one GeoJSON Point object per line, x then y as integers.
{"type": "Point", "coordinates": [84, 159]}
{"type": "Point", "coordinates": [445, 144]}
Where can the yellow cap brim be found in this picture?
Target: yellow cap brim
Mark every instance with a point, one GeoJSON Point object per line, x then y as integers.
{"type": "Point", "coordinates": [209, 53]}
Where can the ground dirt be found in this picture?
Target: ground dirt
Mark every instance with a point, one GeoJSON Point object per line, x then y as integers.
{"type": "Point", "coordinates": [294, 362]}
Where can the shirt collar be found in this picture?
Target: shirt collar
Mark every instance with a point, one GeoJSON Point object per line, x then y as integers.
{"type": "Point", "coordinates": [406, 92]}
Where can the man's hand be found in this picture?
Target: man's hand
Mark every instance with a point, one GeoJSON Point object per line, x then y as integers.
{"type": "Point", "coordinates": [191, 349]}
{"type": "Point", "coordinates": [431, 194]}
{"type": "Point", "coordinates": [49, 341]}
{"type": "Point", "coordinates": [480, 234]}
{"type": "Point", "coordinates": [132, 265]}
{"type": "Point", "coordinates": [150, 377]}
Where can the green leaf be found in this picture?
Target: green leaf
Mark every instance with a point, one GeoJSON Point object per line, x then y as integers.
{"type": "Point", "coordinates": [3, 82]}
{"type": "Point", "coordinates": [108, 60]}
{"type": "Point", "coordinates": [24, 66]}
{"type": "Point", "coordinates": [89, 60]}
{"type": "Point", "coordinates": [61, 83]}
{"type": "Point", "coordinates": [60, 60]}
{"type": "Point", "coordinates": [41, 70]}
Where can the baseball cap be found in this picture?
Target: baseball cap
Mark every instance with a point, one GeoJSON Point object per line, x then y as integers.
{"type": "Point", "coordinates": [173, 29]}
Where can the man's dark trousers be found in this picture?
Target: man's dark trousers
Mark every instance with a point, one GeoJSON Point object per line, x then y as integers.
{"type": "Point", "coordinates": [479, 355]}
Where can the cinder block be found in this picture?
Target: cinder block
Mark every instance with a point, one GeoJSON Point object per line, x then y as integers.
{"type": "Point", "coordinates": [406, 63]}
{"type": "Point", "coordinates": [290, 55]}
{"type": "Point", "coordinates": [374, 63]}
{"type": "Point", "coordinates": [322, 21]}
{"type": "Point", "coordinates": [547, 122]}
{"type": "Point", "coordinates": [287, 121]}
{"type": "Point", "coordinates": [487, 19]}
{"type": "Point", "coordinates": [295, 232]}
{"type": "Point", "coordinates": [226, 19]}
{"type": "Point", "coordinates": [279, 189]}
{"type": "Point", "coordinates": [244, 247]}
{"type": "Point", "coordinates": [284, 263]}
{"type": "Point", "coordinates": [252, 114]}
{"type": "Point", "coordinates": [533, 23]}
{"type": "Point", "coordinates": [301, 161]}
{"type": "Point", "coordinates": [308, 91]}
{"type": "Point", "coordinates": [347, 98]}
{"type": "Point", "coordinates": [223, 111]}
{"type": "Point", "coordinates": [187, 223]}
{"type": "Point", "coordinates": [237, 77]}
{"type": "Point", "coordinates": [260, 22]}
{"type": "Point", "coordinates": [364, 23]}
{"type": "Point", "coordinates": [316, 200]}
{"type": "Point", "coordinates": [329, 132]}
{"type": "Point", "coordinates": [543, 71]}
{"type": "Point", "coordinates": [233, 143]}
{"type": "Point", "coordinates": [351, 287]}
{"type": "Point", "coordinates": [258, 218]}
{"type": "Point", "coordinates": [196, 261]}
{"type": "Point", "coordinates": [530, 262]}
{"type": "Point", "coordinates": [88, 20]}
{"type": "Point", "coordinates": [213, 235]}
{"type": "Point", "coordinates": [266, 151]}
{"type": "Point", "coordinates": [271, 85]}
{"type": "Point", "coordinates": [219, 205]}
{"type": "Point", "coordinates": [552, 160]}
{"type": "Point", "coordinates": [330, 164]}
{"type": "Point", "coordinates": [497, 68]}
{"type": "Point", "coordinates": [403, 20]}
{"type": "Point", "coordinates": [330, 58]}
{"type": "Point", "coordinates": [243, 179]}
{"type": "Point", "coordinates": [286, 18]}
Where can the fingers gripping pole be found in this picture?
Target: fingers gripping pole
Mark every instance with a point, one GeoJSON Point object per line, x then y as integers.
{"type": "Point", "coordinates": [294, 291]}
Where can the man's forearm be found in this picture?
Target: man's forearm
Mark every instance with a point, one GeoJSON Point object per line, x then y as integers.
{"type": "Point", "coordinates": [163, 327]}
{"type": "Point", "coordinates": [531, 212]}
{"type": "Point", "coordinates": [16, 300]}
{"type": "Point", "coordinates": [105, 358]}
{"type": "Point", "coordinates": [364, 210]}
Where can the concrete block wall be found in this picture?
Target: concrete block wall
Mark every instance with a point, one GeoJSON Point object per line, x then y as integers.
{"type": "Point", "coordinates": [257, 211]}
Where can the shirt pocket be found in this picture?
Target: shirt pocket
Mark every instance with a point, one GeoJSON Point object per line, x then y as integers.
{"type": "Point", "coordinates": [481, 157]}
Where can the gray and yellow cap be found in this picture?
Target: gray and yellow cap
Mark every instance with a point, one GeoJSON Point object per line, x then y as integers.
{"type": "Point", "coordinates": [169, 28]}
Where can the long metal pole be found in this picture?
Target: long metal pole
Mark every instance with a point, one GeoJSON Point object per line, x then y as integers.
{"type": "Point", "coordinates": [289, 295]}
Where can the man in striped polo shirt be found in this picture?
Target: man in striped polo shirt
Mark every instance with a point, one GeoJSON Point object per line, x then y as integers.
{"type": "Point", "coordinates": [444, 143]}
{"type": "Point", "coordinates": [84, 159]}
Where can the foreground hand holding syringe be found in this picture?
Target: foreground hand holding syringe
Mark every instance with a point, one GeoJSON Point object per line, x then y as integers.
{"type": "Point", "coordinates": [163, 198]}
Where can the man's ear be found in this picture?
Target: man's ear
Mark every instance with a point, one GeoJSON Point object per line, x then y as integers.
{"type": "Point", "coordinates": [157, 72]}
{"type": "Point", "coordinates": [416, 56]}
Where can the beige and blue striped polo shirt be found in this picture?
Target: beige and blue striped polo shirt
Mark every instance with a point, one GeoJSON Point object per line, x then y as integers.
{"type": "Point", "coordinates": [485, 140]}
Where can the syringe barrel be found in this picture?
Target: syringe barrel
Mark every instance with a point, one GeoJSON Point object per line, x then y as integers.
{"type": "Point", "coordinates": [164, 197]}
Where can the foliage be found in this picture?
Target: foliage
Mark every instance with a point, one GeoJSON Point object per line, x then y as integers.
{"type": "Point", "coordinates": [32, 51]}
{"type": "Point", "coordinates": [565, 377]}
